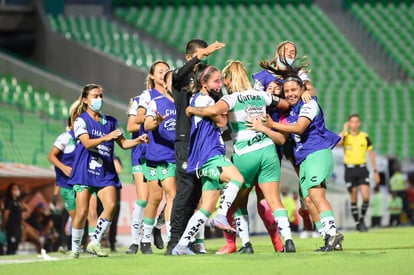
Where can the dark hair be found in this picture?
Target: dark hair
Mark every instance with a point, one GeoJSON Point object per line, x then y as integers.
{"type": "Point", "coordinates": [9, 192]}
{"type": "Point", "coordinates": [150, 81]}
{"type": "Point", "coordinates": [352, 116]}
{"type": "Point", "coordinates": [193, 45]}
{"type": "Point", "coordinates": [291, 73]}
{"type": "Point", "coordinates": [202, 72]}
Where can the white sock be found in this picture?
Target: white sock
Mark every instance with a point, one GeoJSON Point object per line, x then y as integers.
{"type": "Point", "coordinates": [168, 229]}
{"type": "Point", "coordinates": [101, 227]}
{"type": "Point", "coordinates": [136, 224]}
{"type": "Point", "coordinates": [197, 220]}
{"type": "Point", "coordinates": [148, 226]}
{"type": "Point", "coordinates": [77, 235]}
{"type": "Point", "coordinates": [281, 218]}
{"type": "Point", "coordinates": [329, 226]}
{"type": "Point", "coordinates": [200, 233]}
{"type": "Point", "coordinates": [227, 197]}
{"type": "Point", "coordinates": [242, 226]}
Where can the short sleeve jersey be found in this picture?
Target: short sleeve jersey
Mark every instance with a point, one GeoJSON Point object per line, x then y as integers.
{"type": "Point", "coordinates": [205, 138]}
{"type": "Point", "coordinates": [356, 147]}
{"type": "Point", "coordinates": [161, 139]}
{"type": "Point", "coordinates": [66, 144]}
{"type": "Point", "coordinates": [316, 137]}
{"type": "Point", "coordinates": [243, 105]}
{"type": "Point", "coordinates": [95, 166]}
{"type": "Point", "coordinates": [264, 77]}
{"type": "Point", "coordinates": [138, 151]}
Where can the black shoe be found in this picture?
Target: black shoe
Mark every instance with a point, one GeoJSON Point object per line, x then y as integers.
{"type": "Point", "coordinates": [361, 227]}
{"type": "Point", "coordinates": [246, 249]}
{"type": "Point", "coordinates": [332, 242]}
{"type": "Point", "coordinates": [133, 249]}
{"type": "Point", "coordinates": [170, 247]}
{"type": "Point", "coordinates": [158, 241]}
{"type": "Point", "coordinates": [198, 248]}
{"type": "Point", "coordinates": [338, 247]}
{"type": "Point", "coordinates": [289, 247]}
{"type": "Point", "coordinates": [146, 248]}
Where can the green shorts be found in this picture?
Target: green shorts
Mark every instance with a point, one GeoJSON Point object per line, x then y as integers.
{"type": "Point", "coordinates": [160, 172]}
{"type": "Point", "coordinates": [68, 197]}
{"type": "Point", "coordinates": [210, 172]}
{"type": "Point", "coordinates": [80, 187]}
{"type": "Point", "coordinates": [317, 168]}
{"type": "Point", "coordinates": [139, 168]}
{"type": "Point", "coordinates": [263, 165]}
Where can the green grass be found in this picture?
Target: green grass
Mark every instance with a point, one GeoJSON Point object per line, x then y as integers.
{"type": "Point", "coordinates": [380, 251]}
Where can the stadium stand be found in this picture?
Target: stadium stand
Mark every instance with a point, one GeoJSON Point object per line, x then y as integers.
{"type": "Point", "coordinates": [30, 120]}
{"type": "Point", "coordinates": [344, 81]}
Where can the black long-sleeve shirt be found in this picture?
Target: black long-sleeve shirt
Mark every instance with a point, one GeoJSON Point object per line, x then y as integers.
{"type": "Point", "coordinates": [181, 80]}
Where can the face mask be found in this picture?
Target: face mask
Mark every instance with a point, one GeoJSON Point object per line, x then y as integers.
{"type": "Point", "coordinates": [289, 61]}
{"type": "Point", "coordinates": [96, 104]}
{"type": "Point", "coordinates": [204, 60]}
{"type": "Point", "coordinates": [215, 95]}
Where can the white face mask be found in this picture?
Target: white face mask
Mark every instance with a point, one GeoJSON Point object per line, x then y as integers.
{"type": "Point", "coordinates": [96, 104]}
{"type": "Point", "coordinates": [288, 61]}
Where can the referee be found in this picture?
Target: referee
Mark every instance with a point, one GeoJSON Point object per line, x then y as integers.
{"type": "Point", "coordinates": [356, 145]}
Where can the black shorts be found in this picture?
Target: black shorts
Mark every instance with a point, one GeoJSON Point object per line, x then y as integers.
{"type": "Point", "coordinates": [355, 176]}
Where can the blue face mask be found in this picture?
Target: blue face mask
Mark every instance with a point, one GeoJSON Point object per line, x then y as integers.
{"type": "Point", "coordinates": [96, 104]}
{"type": "Point", "coordinates": [288, 61]}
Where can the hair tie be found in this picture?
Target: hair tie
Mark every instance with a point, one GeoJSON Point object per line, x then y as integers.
{"type": "Point", "coordinates": [205, 72]}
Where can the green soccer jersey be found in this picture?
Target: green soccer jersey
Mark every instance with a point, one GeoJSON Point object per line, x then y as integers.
{"type": "Point", "coordinates": [242, 106]}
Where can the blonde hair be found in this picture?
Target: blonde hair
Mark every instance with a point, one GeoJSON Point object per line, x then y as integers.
{"type": "Point", "coordinates": [237, 74]}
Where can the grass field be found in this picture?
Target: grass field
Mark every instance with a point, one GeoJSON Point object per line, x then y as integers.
{"type": "Point", "coordinates": [380, 251]}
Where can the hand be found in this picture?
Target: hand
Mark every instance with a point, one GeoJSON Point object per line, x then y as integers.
{"type": "Point", "coordinates": [306, 96]}
{"type": "Point", "coordinates": [210, 49]}
{"type": "Point", "coordinates": [113, 135]}
{"type": "Point", "coordinates": [142, 139]}
{"type": "Point", "coordinates": [255, 124]}
{"type": "Point", "coordinates": [159, 118]}
{"type": "Point", "coordinates": [345, 127]}
{"type": "Point", "coordinates": [377, 178]}
{"type": "Point", "coordinates": [188, 111]}
{"type": "Point", "coordinates": [67, 170]}
{"type": "Point", "coordinates": [269, 122]}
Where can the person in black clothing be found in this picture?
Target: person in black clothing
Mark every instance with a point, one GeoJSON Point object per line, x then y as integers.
{"type": "Point", "coordinates": [12, 218]}
{"type": "Point", "coordinates": [188, 186]}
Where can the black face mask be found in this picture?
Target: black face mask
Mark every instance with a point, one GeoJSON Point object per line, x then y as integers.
{"type": "Point", "coordinates": [216, 95]}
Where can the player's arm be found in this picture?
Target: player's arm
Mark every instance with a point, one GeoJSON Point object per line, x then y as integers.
{"type": "Point", "coordinates": [219, 108]}
{"type": "Point", "coordinates": [129, 143]}
{"type": "Point", "coordinates": [256, 124]}
{"type": "Point", "coordinates": [343, 133]}
{"type": "Point", "coordinates": [371, 157]}
{"type": "Point", "coordinates": [298, 128]}
{"type": "Point", "coordinates": [52, 157]}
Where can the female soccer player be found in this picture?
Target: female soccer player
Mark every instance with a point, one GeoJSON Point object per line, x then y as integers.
{"type": "Point", "coordinates": [207, 157]}
{"type": "Point", "coordinates": [93, 168]}
{"type": "Point", "coordinates": [254, 153]}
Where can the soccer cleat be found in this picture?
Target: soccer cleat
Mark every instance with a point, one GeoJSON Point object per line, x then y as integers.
{"type": "Point", "coordinates": [198, 248]}
{"type": "Point", "coordinates": [246, 249]}
{"type": "Point", "coordinates": [96, 249]}
{"type": "Point", "coordinates": [332, 242]}
{"type": "Point", "coordinates": [158, 241]}
{"type": "Point", "coordinates": [74, 255]}
{"type": "Point", "coordinates": [307, 220]}
{"type": "Point", "coordinates": [338, 247]}
{"type": "Point", "coordinates": [289, 247]}
{"type": "Point", "coordinates": [170, 246]}
{"type": "Point", "coordinates": [146, 248]}
{"type": "Point", "coordinates": [361, 227]}
{"type": "Point", "coordinates": [228, 248]}
{"type": "Point", "coordinates": [132, 249]}
{"type": "Point", "coordinates": [220, 221]}
{"type": "Point", "coordinates": [179, 250]}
